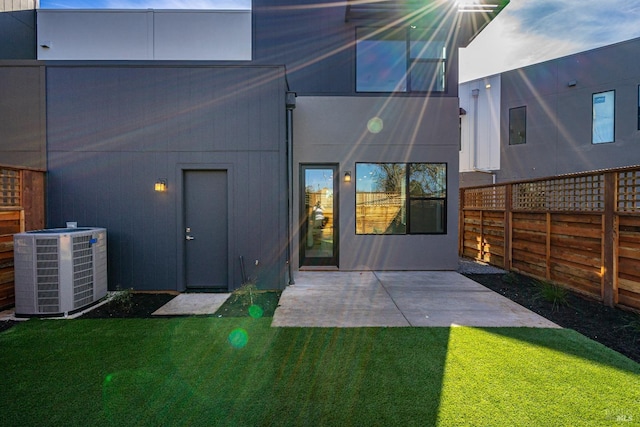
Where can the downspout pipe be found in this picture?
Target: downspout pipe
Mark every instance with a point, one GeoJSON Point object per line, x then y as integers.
{"type": "Point", "coordinates": [291, 105]}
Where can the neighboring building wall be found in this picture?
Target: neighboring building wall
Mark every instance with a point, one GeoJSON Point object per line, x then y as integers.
{"type": "Point", "coordinates": [9, 5]}
{"type": "Point", "coordinates": [144, 34]}
{"type": "Point", "coordinates": [479, 130]}
{"type": "Point", "coordinates": [22, 115]}
{"type": "Point", "coordinates": [334, 130]}
{"type": "Point", "coordinates": [559, 116]}
{"type": "Point", "coordinates": [114, 130]}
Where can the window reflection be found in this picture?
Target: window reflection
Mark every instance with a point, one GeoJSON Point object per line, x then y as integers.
{"type": "Point", "coordinates": [399, 198]}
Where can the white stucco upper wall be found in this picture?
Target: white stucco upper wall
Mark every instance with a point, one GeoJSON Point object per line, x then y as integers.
{"type": "Point", "coordinates": [223, 35]}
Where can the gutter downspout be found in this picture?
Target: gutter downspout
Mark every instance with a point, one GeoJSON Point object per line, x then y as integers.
{"type": "Point", "coordinates": [291, 105]}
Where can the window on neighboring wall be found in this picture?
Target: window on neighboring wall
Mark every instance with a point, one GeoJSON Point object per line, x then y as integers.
{"type": "Point", "coordinates": [399, 60]}
{"type": "Point", "coordinates": [517, 125]}
{"type": "Point", "coordinates": [603, 129]}
{"type": "Point", "coordinates": [638, 107]}
{"type": "Point", "coordinates": [401, 198]}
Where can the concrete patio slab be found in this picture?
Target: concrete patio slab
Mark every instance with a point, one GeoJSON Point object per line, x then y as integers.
{"type": "Point", "coordinates": [192, 304]}
{"type": "Point", "coordinates": [397, 299]}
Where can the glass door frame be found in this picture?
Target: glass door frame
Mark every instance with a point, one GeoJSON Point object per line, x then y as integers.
{"type": "Point", "coordinates": [305, 259]}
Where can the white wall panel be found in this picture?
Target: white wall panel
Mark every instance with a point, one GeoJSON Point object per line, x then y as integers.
{"type": "Point", "coordinates": [480, 126]}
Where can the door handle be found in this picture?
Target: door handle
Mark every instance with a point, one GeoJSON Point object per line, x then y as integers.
{"type": "Point", "coordinates": [190, 238]}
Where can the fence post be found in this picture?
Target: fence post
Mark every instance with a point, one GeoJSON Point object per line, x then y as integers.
{"type": "Point", "coordinates": [608, 235]}
{"type": "Point", "coordinates": [507, 227]}
{"type": "Point", "coordinates": [461, 222]}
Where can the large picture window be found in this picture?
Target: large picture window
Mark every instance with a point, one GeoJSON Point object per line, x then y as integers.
{"type": "Point", "coordinates": [603, 129]}
{"type": "Point", "coordinates": [399, 60]}
{"type": "Point", "coordinates": [401, 198]}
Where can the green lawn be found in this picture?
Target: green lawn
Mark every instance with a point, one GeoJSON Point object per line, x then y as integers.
{"type": "Point", "coordinates": [238, 371]}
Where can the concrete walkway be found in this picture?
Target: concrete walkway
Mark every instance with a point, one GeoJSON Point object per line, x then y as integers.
{"type": "Point", "coordinates": [397, 299]}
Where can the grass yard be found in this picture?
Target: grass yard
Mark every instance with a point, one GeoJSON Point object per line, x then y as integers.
{"type": "Point", "coordinates": [239, 371]}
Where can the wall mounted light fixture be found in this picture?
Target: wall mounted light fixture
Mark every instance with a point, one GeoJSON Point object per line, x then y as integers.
{"type": "Point", "coordinates": [572, 83]}
{"type": "Point", "coordinates": [347, 176]}
{"type": "Point", "coordinates": [161, 185]}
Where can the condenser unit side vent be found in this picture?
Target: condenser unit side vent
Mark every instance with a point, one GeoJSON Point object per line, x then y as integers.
{"type": "Point", "coordinates": [47, 275]}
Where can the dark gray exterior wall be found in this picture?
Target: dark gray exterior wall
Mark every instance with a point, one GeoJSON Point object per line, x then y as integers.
{"type": "Point", "coordinates": [114, 130]}
{"type": "Point", "coordinates": [559, 117]}
{"type": "Point", "coordinates": [18, 35]}
{"type": "Point", "coordinates": [22, 114]}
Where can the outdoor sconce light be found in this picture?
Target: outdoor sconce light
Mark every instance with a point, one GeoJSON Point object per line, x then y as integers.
{"type": "Point", "coordinates": [161, 185]}
{"type": "Point", "coordinates": [347, 176]}
{"type": "Point", "coordinates": [572, 83]}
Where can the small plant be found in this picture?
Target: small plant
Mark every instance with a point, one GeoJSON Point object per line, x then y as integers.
{"type": "Point", "coordinates": [246, 293]}
{"type": "Point", "coordinates": [123, 299]}
{"type": "Point", "coordinates": [511, 278]}
{"type": "Point", "coordinates": [633, 327]}
{"type": "Point", "coordinates": [556, 295]}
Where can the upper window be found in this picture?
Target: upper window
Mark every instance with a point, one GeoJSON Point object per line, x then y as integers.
{"type": "Point", "coordinates": [517, 125]}
{"type": "Point", "coordinates": [399, 60]}
{"type": "Point", "coordinates": [603, 129]}
{"type": "Point", "coordinates": [401, 198]}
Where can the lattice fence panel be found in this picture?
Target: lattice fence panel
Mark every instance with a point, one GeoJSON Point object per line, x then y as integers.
{"type": "Point", "coordinates": [9, 187]}
{"type": "Point", "coordinates": [488, 198]}
{"type": "Point", "coordinates": [569, 194]}
{"type": "Point", "coordinates": [628, 199]}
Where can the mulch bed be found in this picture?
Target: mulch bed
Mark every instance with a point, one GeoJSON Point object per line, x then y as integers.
{"type": "Point", "coordinates": [612, 327]}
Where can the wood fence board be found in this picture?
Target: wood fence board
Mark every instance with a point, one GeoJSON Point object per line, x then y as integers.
{"type": "Point", "coordinates": [627, 237]}
{"type": "Point", "coordinates": [529, 258]}
{"type": "Point", "coordinates": [518, 235]}
{"type": "Point", "coordinates": [593, 246]}
{"type": "Point", "coordinates": [528, 269]}
{"type": "Point", "coordinates": [6, 246]}
{"type": "Point", "coordinates": [528, 248]}
{"type": "Point", "coordinates": [629, 285]}
{"type": "Point", "coordinates": [629, 300]}
{"type": "Point", "coordinates": [578, 284]}
{"type": "Point", "coordinates": [577, 258]}
{"type": "Point", "coordinates": [7, 296]}
{"type": "Point", "coordinates": [592, 275]}
{"type": "Point", "coordinates": [588, 219]}
{"type": "Point", "coordinates": [629, 266]}
{"type": "Point", "coordinates": [536, 226]}
{"type": "Point", "coordinates": [6, 276]}
{"type": "Point", "coordinates": [626, 252]}
{"type": "Point", "coordinates": [575, 230]}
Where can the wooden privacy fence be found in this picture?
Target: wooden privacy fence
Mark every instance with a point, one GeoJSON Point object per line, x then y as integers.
{"type": "Point", "coordinates": [21, 208]}
{"type": "Point", "coordinates": [580, 231]}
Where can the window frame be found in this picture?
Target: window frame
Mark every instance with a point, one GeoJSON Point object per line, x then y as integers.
{"type": "Point", "coordinates": [405, 84]}
{"type": "Point", "coordinates": [512, 111]}
{"type": "Point", "coordinates": [408, 198]}
{"type": "Point", "coordinates": [638, 107]}
{"type": "Point", "coordinates": [593, 117]}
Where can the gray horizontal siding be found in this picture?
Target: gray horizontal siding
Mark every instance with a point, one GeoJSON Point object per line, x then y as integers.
{"type": "Point", "coordinates": [114, 131]}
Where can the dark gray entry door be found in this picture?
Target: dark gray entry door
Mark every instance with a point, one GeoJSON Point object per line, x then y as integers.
{"type": "Point", "coordinates": [206, 229]}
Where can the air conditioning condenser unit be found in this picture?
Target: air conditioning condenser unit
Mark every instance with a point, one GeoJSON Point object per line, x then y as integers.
{"type": "Point", "coordinates": [59, 271]}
